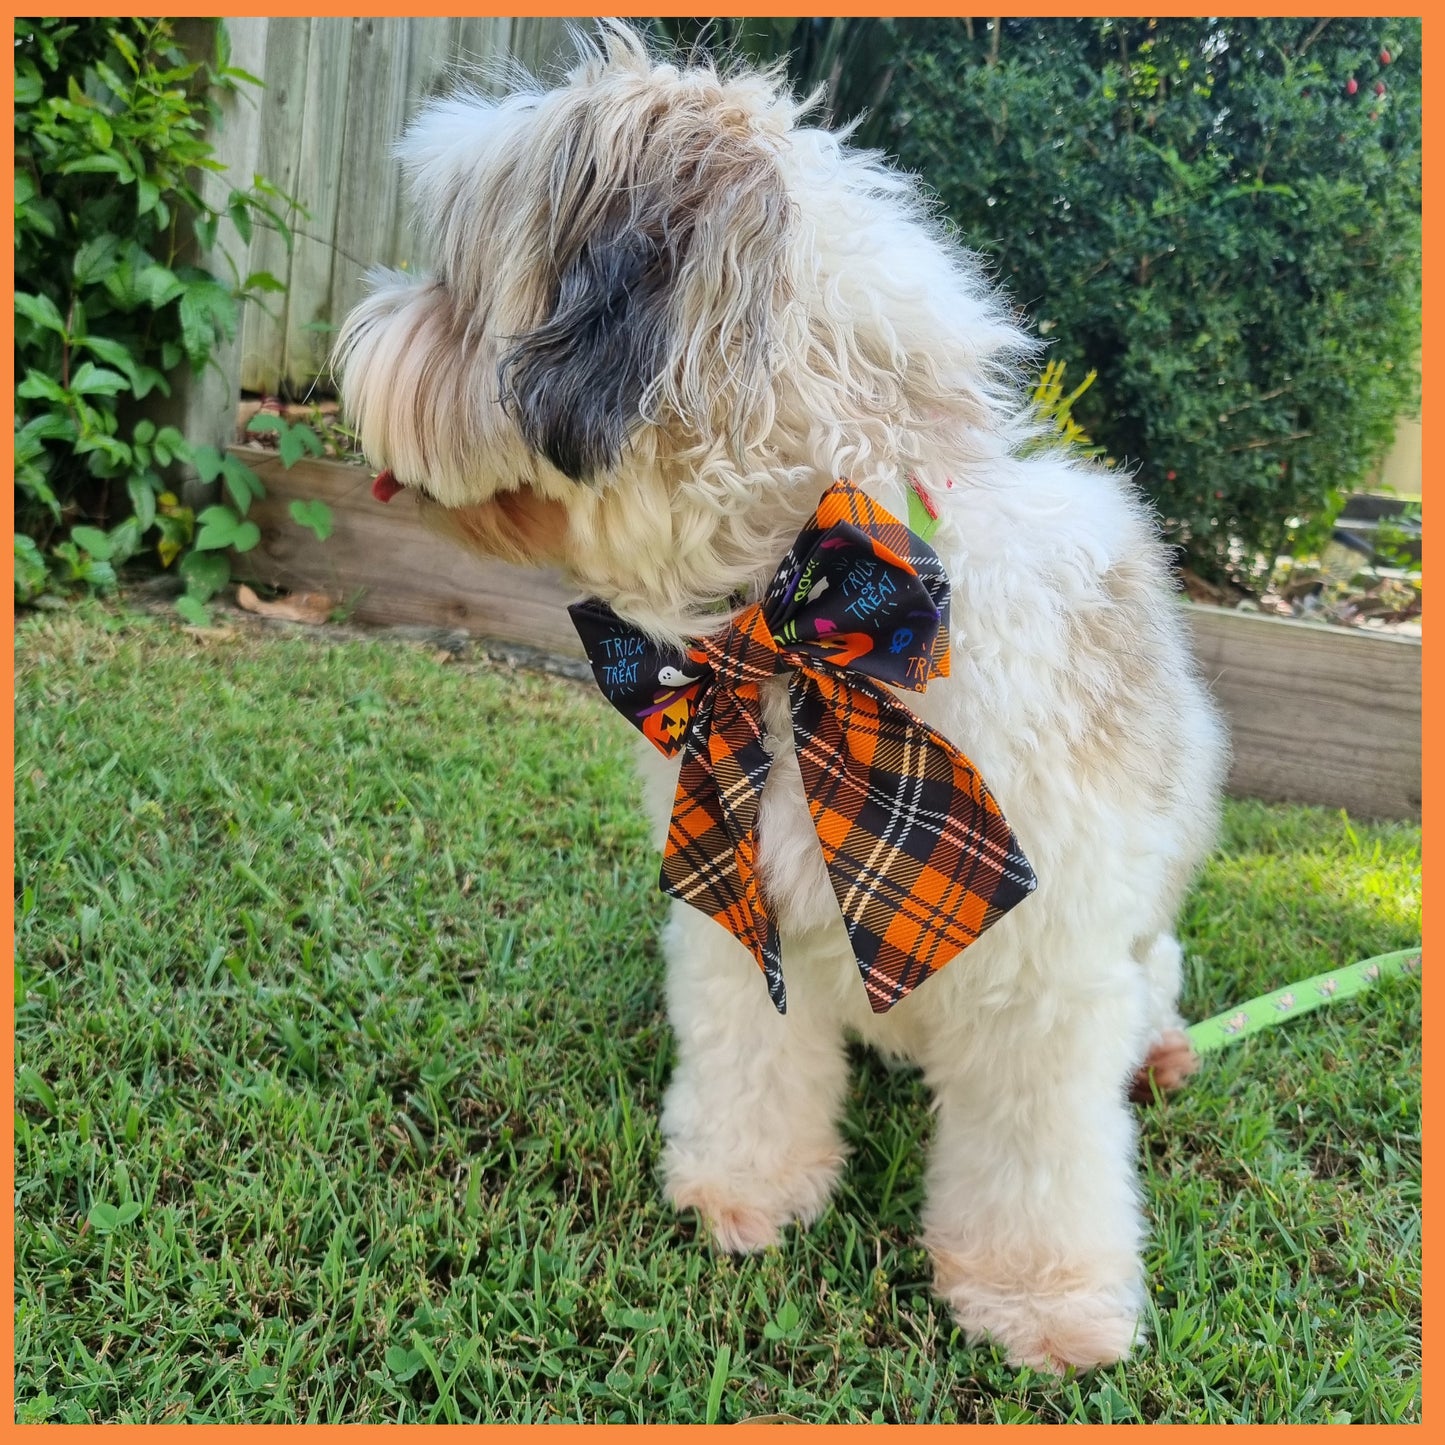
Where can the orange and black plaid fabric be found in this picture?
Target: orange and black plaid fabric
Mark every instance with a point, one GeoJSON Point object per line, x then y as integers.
{"type": "Point", "coordinates": [918, 852]}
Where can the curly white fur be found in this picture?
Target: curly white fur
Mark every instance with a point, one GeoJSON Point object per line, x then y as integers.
{"type": "Point", "coordinates": [816, 322]}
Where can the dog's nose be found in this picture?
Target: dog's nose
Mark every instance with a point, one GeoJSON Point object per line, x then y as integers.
{"type": "Point", "coordinates": [386, 486]}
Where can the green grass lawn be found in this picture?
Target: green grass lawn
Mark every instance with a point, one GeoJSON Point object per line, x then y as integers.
{"type": "Point", "coordinates": [341, 1044]}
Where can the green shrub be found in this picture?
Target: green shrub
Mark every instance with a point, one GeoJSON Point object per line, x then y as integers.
{"type": "Point", "coordinates": [853, 56]}
{"type": "Point", "coordinates": [1205, 214]}
{"type": "Point", "coordinates": [111, 301]}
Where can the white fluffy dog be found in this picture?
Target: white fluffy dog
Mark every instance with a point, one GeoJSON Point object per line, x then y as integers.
{"type": "Point", "coordinates": [665, 316]}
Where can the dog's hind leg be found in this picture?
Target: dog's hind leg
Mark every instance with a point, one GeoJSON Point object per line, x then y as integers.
{"type": "Point", "coordinates": [1033, 1215]}
{"type": "Point", "coordinates": [1171, 1057]}
{"type": "Point", "coordinates": [751, 1112]}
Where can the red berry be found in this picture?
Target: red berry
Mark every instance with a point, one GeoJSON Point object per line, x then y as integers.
{"type": "Point", "coordinates": [1168, 476]}
{"type": "Point", "coordinates": [1379, 87]}
{"type": "Point", "coordinates": [1374, 115]}
{"type": "Point", "coordinates": [1384, 57]}
{"type": "Point", "coordinates": [1351, 85]}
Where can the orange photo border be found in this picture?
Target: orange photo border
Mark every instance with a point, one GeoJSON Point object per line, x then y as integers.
{"type": "Point", "coordinates": [1431, 686]}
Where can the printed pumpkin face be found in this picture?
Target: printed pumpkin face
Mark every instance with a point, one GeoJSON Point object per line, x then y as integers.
{"type": "Point", "coordinates": [667, 726]}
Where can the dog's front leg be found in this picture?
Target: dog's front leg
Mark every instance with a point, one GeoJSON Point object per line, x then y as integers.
{"type": "Point", "coordinates": [1033, 1216]}
{"type": "Point", "coordinates": [751, 1113]}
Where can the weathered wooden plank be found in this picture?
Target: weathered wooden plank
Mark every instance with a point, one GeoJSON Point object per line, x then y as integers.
{"type": "Point", "coordinates": [322, 147]}
{"type": "Point", "coordinates": [481, 41]}
{"type": "Point", "coordinates": [278, 158]}
{"type": "Point", "coordinates": [203, 406]}
{"type": "Point", "coordinates": [388, 568]}
{"type": "Point", "coordinates": [369, 187]}
{"type": "Point", "coordinates": [432, 69]}
{"type": "Point", "coordinates": [1317, 714]}
{"type": "Point", "coordinates": [542, 42]}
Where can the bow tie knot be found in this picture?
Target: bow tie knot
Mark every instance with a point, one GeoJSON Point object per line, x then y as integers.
{"type": "Point", "coordinates": [918, 853]}
{"type": "Point", "coordinates": [744, 653]}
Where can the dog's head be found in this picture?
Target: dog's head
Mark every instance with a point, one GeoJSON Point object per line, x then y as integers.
{"type": "Point", "coordinates": [663, 317]}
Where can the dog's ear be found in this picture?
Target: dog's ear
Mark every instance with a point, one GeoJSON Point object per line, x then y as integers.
{"type": "Point", "coordinates": [574, 386]}
{"type": "Point", "coordinates": [672, 277]}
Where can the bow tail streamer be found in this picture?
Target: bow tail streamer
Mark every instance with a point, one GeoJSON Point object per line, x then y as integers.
{"type": "Point", "coordinates": [710, 860]}
{"type": "Point", "coordinates": [918, 853]}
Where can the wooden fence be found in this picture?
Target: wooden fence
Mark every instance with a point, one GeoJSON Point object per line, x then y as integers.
{"type": "Point", "coordinates": [338, 92]}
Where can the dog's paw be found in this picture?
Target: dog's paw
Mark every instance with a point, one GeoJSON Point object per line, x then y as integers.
{"type": "Point", "coordinates": [1170, 1061]}
{"type": "Point", "coordinates": [747, 1211]}
{"type": "Point", "coordinates": [733, 1224]}
{"type": "Point", "coordinates": [1051, 1330]}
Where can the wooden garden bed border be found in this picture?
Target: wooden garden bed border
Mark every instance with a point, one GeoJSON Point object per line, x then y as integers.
{"type": "Point", "coordinates": [1318, 714]}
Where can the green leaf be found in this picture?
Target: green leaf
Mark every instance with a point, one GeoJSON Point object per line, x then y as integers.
{"type": "Point", "coordinates": [28, 85]}
{"type": "Point", "coordinates": [40, 310]}
{"type": "Point", "coordinates": [403, 1363]}
{"type": "Point", "coordinates": [93, 380]}
{"type": "Point", "coordinates": [159, 285]}
{"type": "Point", "coordinates": [242, 483]}
{"type": "Point", "coordinates": [788, 1317]}
{"type": "Point", "coordinates": [208, 316]}
{"type": "Point", "coordinates": [148, 196]}
{"type": "Point", "coordinates": [93, 540]}
{"type": "Point", "coordinates": [30, 570]}
{"type": "Point", "coordinates": [262, 281]}
{"type": "Point", "coordinates": [170, 443]}
{"type": "Point", "coordinates": [208, 463]}
{"type": "Point", "coordinates": [193, 611]}
{"type": "Point", "coordinates": [315, 515]}
{"type": "Point", "coordinates": [205, 573]}
{"type": "Point", "coordinates": [217, 528]}
{"type": "Point", "coordinates": [298, 440]}
{"type": "Point", "coordinates": [98, 573]}
{"type": "Point", "coordinates": [110, 351]}
{"type": "Point", "coordinates": [46, 427]}
{"type": "Point", "coordinates": [38, 385]}
{"type": "Point", "coordinates": [240, 216]}
{"type": "Point", "coordinates": [108, 162]}
{"type": "Point", "coordinates": [103, 1218]}
{"type": "Point", "coordinates": [247, 536]}
{"type": "Point", "coordinates": [142, 501]}
{"type": "Point", "coordinates": [125, 540]}
{"type": "Point", "coordinates": [265, 421]}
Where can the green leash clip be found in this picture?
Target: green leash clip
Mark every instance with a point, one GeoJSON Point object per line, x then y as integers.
{"type": "Point", "coordinates": [921, 522]}
{"type": "Point", "coordinates": [1300, 998]}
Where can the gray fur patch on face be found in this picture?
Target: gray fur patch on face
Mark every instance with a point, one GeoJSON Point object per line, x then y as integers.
{"type": "Point", "coordinates": [574, 386]}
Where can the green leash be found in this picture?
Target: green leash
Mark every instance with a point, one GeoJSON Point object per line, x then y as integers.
{"type": "Point", "coordinates": [1300, 998]}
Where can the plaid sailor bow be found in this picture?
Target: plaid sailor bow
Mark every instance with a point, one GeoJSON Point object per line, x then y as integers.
{"type": "Point", "coordinates": [918, 853]}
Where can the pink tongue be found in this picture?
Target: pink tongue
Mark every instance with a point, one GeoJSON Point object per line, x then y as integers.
{"type": "Point", "coordinates": [385, 487]}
